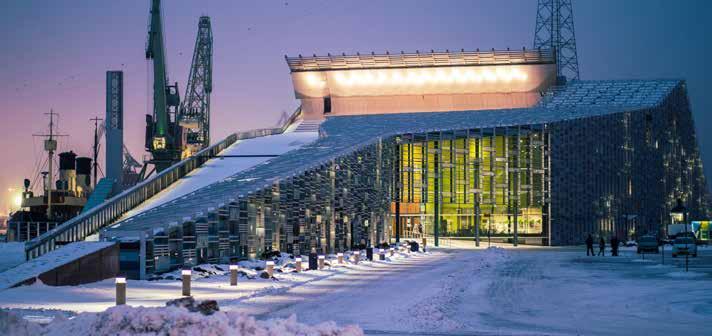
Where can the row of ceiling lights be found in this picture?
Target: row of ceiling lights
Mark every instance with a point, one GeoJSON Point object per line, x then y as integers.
{"type": "Point", "coordinates": [421, 77]}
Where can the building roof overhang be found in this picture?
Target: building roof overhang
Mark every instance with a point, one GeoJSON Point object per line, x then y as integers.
{"type": "Point", "coordinates": [418, 59]}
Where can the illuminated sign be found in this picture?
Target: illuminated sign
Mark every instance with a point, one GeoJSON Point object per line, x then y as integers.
{"type": "Point", "coordinates": [702, 229]}
{"type": "Point", "coordinates": [114, 94]}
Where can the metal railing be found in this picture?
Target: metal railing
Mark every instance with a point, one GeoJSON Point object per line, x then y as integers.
{"type": "Point", "coordinates": [107, 212]}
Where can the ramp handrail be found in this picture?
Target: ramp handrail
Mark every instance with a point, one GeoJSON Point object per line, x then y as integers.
{"type": "Point", "coordinates": [104, 214]}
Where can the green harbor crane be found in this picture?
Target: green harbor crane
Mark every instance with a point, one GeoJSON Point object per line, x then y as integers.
{"type": "Point", "coordinates": [163, 133]}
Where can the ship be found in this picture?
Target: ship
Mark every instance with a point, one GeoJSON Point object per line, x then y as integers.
{"type": "Point", "coordinates": [60, 200]}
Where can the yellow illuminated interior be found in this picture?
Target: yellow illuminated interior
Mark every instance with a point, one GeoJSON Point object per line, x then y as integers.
{"type": "Point", "coordinates": [474, 172]}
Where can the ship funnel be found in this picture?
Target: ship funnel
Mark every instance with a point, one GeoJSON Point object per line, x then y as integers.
{"type": "Point", "coordinates": [67, 172]}
{"type": "Point", "coordinates": [83, 175]}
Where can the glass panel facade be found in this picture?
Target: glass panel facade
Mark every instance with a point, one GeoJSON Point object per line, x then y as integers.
{"type": "Point", "coordinates": [451, 181]}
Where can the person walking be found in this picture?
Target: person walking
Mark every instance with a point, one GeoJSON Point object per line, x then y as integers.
{"type": "Point", "coordinates": [589, 246]}
{"type": "Point", "coordinates": [614, 246]}
{"type": "Point", "coordinates": [602, 247]}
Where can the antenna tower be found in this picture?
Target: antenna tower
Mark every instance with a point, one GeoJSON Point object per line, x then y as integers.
{"type": "Point", "coordinates": [555, 30]}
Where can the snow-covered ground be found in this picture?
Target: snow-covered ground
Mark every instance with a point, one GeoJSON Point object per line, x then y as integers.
{"type": "Point", "coordinates": [98, 296]}
{"type": "Point", "coordinates": [446, 291]}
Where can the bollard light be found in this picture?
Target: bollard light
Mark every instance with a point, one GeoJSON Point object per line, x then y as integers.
{"type": "Point", "coordinates": [321, 262]}
{"type": "Point", "coordinates": [186, 281]}
{"type": "Point", "coordinates": [270, 268]}
{"type": "Point", "coordinates": [120, 291]}
{"type": "Point", "coordinates": [340, 257]}
{"type": "Point", "coordinates": [298, 264]}
{"type": "Point", "coordinates": [233, 275]}
{"type": "Point", "coordinates": [381, 254]}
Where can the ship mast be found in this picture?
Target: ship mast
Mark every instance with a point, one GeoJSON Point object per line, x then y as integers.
{"type": "Point", "coordinates": [50, 145]}
{"type": "Point", "coordinates": [96, 147]}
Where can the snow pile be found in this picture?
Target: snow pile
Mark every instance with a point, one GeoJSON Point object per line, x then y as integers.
{"type": "Point", "coordinates": [494, 255]}
{"type": "Point", "coordinates": [284, 263]}
{"type": "Point", "coordinates": [126, 320]}
{"type": "Point", "coordinates": [198, 272]}
{"type": "Point", "coordinates": [40, 315]}
{"type": "Point", "coordinates": [11, 324]}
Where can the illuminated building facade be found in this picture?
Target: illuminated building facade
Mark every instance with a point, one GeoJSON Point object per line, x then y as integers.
{"type": "Point", "coordinates": [453, 146]}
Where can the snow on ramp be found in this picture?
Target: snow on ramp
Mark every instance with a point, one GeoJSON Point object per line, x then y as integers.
{"type": "Point", "coordinates": [11, 255]}
{"type": "Point", "coordinates": [218, 169]}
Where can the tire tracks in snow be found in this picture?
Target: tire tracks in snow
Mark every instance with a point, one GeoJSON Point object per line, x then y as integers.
{"type": "Point", "coordinates": [441, 310]}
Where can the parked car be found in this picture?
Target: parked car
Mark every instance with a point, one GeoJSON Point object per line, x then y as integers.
{"type": "Point", "coordinates": [647, 244]}
{"type": "Point", "coordinates": [684, 245]}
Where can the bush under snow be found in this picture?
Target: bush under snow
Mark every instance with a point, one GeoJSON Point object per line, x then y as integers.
{"type": "Point", "coordinates": [126, 320]}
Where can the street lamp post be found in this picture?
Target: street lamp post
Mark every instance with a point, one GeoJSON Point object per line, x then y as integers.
{"type": "Point", "coordinates": [368, 233]}
{"type": "Point", "coordinates": [489, 233]}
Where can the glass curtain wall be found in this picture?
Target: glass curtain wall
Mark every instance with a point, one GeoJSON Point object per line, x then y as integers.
{"type": "Point", "coordinates": [474, 184]}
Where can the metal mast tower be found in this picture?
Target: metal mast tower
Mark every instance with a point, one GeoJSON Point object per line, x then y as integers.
{"type": "Point", "coordinates": [555, 30]}
{"type": "Point", "coordinates": [195, 111]}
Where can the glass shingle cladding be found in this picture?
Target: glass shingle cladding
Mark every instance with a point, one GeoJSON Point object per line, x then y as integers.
{"type": "Point", "coordinates": [607, 157]}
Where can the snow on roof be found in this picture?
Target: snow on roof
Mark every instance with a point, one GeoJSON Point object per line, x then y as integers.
{"type": "Point", "coordinates": [609, 93]}
{"type": "Point", "coordinates": [49, 261]}
{"type": "Point", "coordinates": [346, 134]}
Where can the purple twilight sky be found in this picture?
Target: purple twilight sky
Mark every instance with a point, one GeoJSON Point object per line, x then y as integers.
{"type": "Point", "coordinates": [55, 54]}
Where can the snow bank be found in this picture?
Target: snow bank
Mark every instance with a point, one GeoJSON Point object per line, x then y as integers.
{"type": "Point", "coordinates": [11, 324]}
{"type": "Point", "coordinates": [126, 320]}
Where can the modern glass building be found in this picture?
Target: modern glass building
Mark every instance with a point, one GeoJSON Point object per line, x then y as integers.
{"type": "Point", "coordinates": [451, 146]}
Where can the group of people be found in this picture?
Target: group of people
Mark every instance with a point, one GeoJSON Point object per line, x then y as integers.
{"type": "Point", "coordinates": [601, 246]}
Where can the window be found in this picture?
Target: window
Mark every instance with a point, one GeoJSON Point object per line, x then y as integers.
{"type": "Point", "coordinates": [327, 105]}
